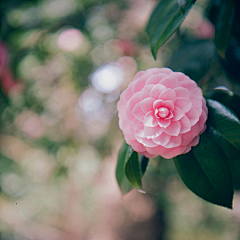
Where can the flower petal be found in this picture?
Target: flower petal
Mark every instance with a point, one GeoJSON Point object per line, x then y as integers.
{"type": "Point", "coordinates": [138, 85]}
{"type": "Point", "coordinates": [159, 150]}
{"type": "Point", "coordinates": [185, 125]}
{"type": "Point", "coordinates": [181, 92]}
{"type": "Point", "coordinates": [145, 92]}
{"type": "Point", "coordinates": [166, 152]}
{"type": "Point", "coordinates": [202, 120]}
{"type": "Point", "coordinates": [194, 142]}
{"type": "Point", "coordinates": [131, 103]}
{"type": "Point", "coordinates": [180, 76]}
{"type": "Point", "coordinates": [157, 89]}
{"type": "Point", "coordinates": [126, 94]}
{"type": "Point", "coordinates": [146, 142]}
{"type": "Point", "coordinates": [168, 94]}
{"type": "Point", "coordinates": [152, 132]}
{"type": "Point", "coordinates": [148, 155]}
{"type": "Point", "coordinates": [163, 139]}
{"type": "Point", "coordinates": [137, 146]}
{"type": "Point", "coordinates": [134, 100]}
{"type": "Point", "coordinates": [147, 104]}
{"type": "Point", "coordinates": [198, 92]}
{"type": "Point", "coordinates": [128, 113]}
{"type": "Point", "coordinates": [189, 136]}
{"type": "Point", "coordinates": [157, 103]}
{"type": "Point", "coordinates": [175, 141]}
{"type": "Point", "coordinates": [138, 128]}
{"type": "Point", "coordinates": [138, 113]}
{"type": "Point", "coordinates": [188, 148]}
{"type": "Point", "coordinates": [173, 129]}
{"type": "Point", "coordinates": [159, 70]}
{"type": "Point", "coordinates": [138, 75]}
{"type": "Point", "coordinates": [150, 120]}
{"type": "Point", "coordinates": [127, 131]}
{"type": "Point", "coordinates": [163, 122]}
{"type": "Point", "coordinates": [156, 78]}
{"type": "Point", "coordinates": [183, 103]}
{"type": "Point", "coordinates": [121, 106]}
{"type": "Point", "coordinates": [173, 152]}
{"type": "Point", "coordinates": [170, 82]}
{"type": "Point", "coordinates": [196, 103]}
{"type": "Point", "coordinates": [190, 85]}
{"type": "Point", "coordinates": [177, 113]}
{"type": "Point", "coordinates": [160, 103]}
{"type": "Point", "coordinates": [192, 115]}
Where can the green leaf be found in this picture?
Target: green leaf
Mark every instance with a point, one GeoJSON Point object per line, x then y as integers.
{"type": "Point", "coordinates": [128, 172]}
{"type": "Point", "coordinates": [132, 171]}
{"type": "Point", "coordinates": [235, 167]}
{"type": "Point", "coordinates": [223, 25]}
{"type": "Point", "coordinates": [224, 121]}
{"type": "Point", "coordinates": [183, 4]}
{"type": "Point", "coordinates": [164, 21]}
{"type": "Point", "coordinates": [206, 172]}
{"type": "Point", "coordinates": [228, 98]}
{"type": "Point", "coordinates": [231, 152]}
{"type": "Point", "coordinates": [123, 155]}
{"type": "Point", "coordinates": [144, 164]}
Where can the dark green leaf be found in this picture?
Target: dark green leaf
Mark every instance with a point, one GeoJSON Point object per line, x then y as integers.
{"type": "Point", "coordinates": [144, 164]}
{"type": "Point", "coordinates": [197, 62]}
{"type": "Point", "coordinates": [235, 167]}
{"type": "Point", "coordinates": [183, 4]}
{"type": "Point", "coordinates": [223, 25]}
{"type": "Point", "coordinates": [231, 152]}
{"type": "Point", "coordinates": [224, 121]}
{"type": "Point", "coordinates": [124, 153]}
{"type": "Point", "coordinates": [228, 98]}
{"type": "Point", "coordinates": [206, 172]}
{"type": "Point", "coordinates": [164, 21]}
{"type": "Point", "coordinates": [132, 171]}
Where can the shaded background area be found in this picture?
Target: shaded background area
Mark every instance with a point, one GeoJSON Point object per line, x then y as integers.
{"type": "Point", "coordinates": [63, 64]}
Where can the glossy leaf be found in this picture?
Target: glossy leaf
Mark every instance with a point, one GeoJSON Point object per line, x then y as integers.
{"type": "Point", "coordinates": [223, 25]}
{"type": "Point", "coordinates": [231, 152]}
{"type": "Point", "coordinates": [235, 167]}
{"type": "Point", "coordinates": [124, 153]}
{"type": "Point", "coordinates": [132, 171]}
{"type": "Point", "coordinates": [224, 121]}
{"type": "Point", "coordinates": [164, 21]}
{"type": "Point", "coordinates": [228, 98]}
{"type": "Point", "coordinates": [144, 164]}
{"type": "Point", "coordinates": [206, 172]}
{"type": "Point", "coordinates": [183, 4]}
{"type": "Point", "coordinates": [200, 53]}
{"type": "Point", "coordinates": [128, 171]}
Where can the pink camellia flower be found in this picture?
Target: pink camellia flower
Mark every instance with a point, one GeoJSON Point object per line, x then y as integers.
{"type": "Point", "coordinates": [162, 113]}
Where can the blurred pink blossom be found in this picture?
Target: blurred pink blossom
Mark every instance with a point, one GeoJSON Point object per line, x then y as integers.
{"type": "Point", "coordinates": [7, 80]}
{"type": "Point", "coordinates": [205, 30]}
{"type": "Point", "coordinates": [70, 40]}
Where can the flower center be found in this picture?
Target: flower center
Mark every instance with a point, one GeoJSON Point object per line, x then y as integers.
{"type": "Point", "coordinates": [163, 112]}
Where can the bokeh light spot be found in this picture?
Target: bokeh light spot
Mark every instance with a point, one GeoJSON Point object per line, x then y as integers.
{"type": "Point", "coordinates": [107, 78]}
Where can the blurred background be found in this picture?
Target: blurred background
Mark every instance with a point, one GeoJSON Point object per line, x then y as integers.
{"type": "Point", "coordinates": [63, 65]}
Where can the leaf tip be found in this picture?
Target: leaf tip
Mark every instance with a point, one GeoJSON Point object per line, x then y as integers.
{"type": "Point", "coordinates": [182, 5]}
{"type": "Point", "coordinates": [154, 53]}
{"type": "Point", "coordinates": [141, 191]}
{"type": "Point", "coordinates": [228, 205]}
